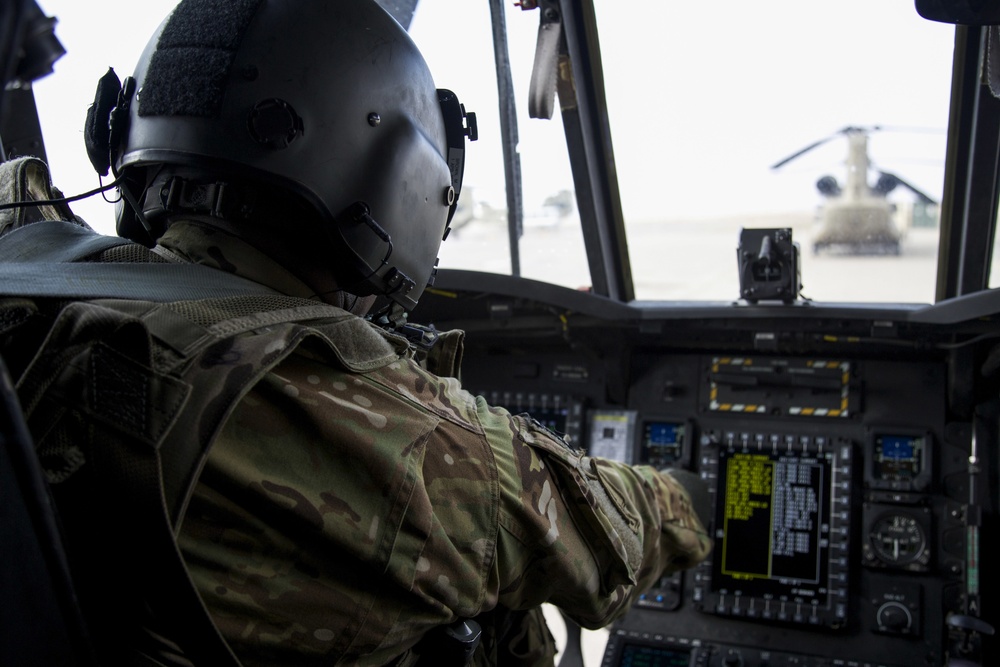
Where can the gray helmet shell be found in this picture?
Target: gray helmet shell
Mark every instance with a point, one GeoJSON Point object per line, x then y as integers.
{"type": "Point", "coordinates": [327, 98]}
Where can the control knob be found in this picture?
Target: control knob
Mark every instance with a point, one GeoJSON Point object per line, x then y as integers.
{"type": "Point", "coordinates": [732, 659]}
{"type": "Point", "coordinates": [894, 617]}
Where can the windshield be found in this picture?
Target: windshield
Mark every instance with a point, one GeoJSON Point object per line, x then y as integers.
{"type": "Point", "coordinates": [701, 104]}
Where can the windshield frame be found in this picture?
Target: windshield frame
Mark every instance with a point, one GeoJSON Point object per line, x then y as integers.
{"type": "Point", "coordinates": [972, 177]}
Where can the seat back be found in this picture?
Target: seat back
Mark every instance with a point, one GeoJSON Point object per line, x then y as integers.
{"type": "Point", "coordinates": [40, 620]}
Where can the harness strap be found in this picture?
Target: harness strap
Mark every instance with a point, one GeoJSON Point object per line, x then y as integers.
{"type": "Point", "coordinates": [53, 241]}
{"type": "Point", "coordinates": [43, 260]}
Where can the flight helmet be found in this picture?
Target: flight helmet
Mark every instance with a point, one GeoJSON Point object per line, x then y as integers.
{"type": "Point", "coordinates": [328, 100]}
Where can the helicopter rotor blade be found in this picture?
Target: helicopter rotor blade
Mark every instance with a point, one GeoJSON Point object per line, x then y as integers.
{"type": "Point", "coordinates": [843, 130]}
{"type": "Point", "coordinates": [799, 153]}
{"type": "Point", "coordinates": [922, 196]}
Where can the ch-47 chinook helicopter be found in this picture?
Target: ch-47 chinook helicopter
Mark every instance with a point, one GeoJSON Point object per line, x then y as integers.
{"type": "Point", "coordinates": [857, 216]}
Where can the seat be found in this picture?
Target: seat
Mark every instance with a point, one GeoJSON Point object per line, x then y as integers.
{"type": "Point", "coordinates": [40, 620]}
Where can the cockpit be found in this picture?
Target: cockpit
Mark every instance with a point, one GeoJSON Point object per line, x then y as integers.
{"type": "Point", "coordinates": [756, 241]}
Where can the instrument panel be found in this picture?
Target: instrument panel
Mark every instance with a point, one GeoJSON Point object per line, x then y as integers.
{"type": "Point", "coordinates": [828, 525]}
{"type": "Point", "coordinates": [844, 511]}
{"type": "Point", "coordinates": [810, 463]}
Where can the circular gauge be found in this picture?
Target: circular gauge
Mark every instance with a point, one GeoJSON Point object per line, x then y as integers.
{"type": "Point", "coordinates": [898, 539]}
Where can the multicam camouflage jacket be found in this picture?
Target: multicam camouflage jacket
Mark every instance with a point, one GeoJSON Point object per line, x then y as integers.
{"type": "Point", "coordinates": [352, 500]}
{"type": "Point", "coordinates": [345, 514]}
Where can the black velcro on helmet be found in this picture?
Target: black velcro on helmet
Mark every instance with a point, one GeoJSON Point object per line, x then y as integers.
{"type": "Point", "coordinates": [188, 71]}
{"type": "Point", "coordinates": [97, 128]}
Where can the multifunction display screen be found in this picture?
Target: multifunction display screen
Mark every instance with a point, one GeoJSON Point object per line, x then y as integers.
{"type": "Point", "coordinates": [899, 461]}
{"type": "Point", "coordinates": [638, 655]}
{"type": "Point", "coordinates": [780, 544]}
{"type": "Point", "coordinates": [662, 443]}
{"type": "Point", "coordinates": [784, 498]}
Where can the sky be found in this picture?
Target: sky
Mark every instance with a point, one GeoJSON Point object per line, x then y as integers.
{"type": "Point", "coordinates": [772, 77]}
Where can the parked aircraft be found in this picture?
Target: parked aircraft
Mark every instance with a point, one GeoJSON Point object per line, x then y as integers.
{"type": "Point", "coordinates": [856, 213]}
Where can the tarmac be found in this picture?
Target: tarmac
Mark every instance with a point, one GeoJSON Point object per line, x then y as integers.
{"type": "Point", "coordinates": [696, 260]}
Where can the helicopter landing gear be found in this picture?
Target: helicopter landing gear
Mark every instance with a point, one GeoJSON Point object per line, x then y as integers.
{"type": "Point", "coordinates": [857, 249]}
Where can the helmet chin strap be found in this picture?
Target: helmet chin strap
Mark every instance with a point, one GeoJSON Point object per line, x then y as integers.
{"type": "Point", "coordinates": [395, 283]}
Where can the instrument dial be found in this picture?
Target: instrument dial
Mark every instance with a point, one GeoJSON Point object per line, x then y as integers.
{"type": "Point", "coordinates": [899, 539]}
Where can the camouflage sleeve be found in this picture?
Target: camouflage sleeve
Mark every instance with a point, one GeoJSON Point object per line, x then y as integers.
{"type": "Point", "coordinates": [586, 534]}
{"type": "Point", "coordinates": [344, 515]}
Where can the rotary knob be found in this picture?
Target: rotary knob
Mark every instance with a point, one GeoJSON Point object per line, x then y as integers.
{"type": "Point", "coordinates": [894, 617]}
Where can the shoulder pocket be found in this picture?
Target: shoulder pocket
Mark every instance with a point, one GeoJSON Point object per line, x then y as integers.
{"type": "Point", "coordinates": [600, 508]}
